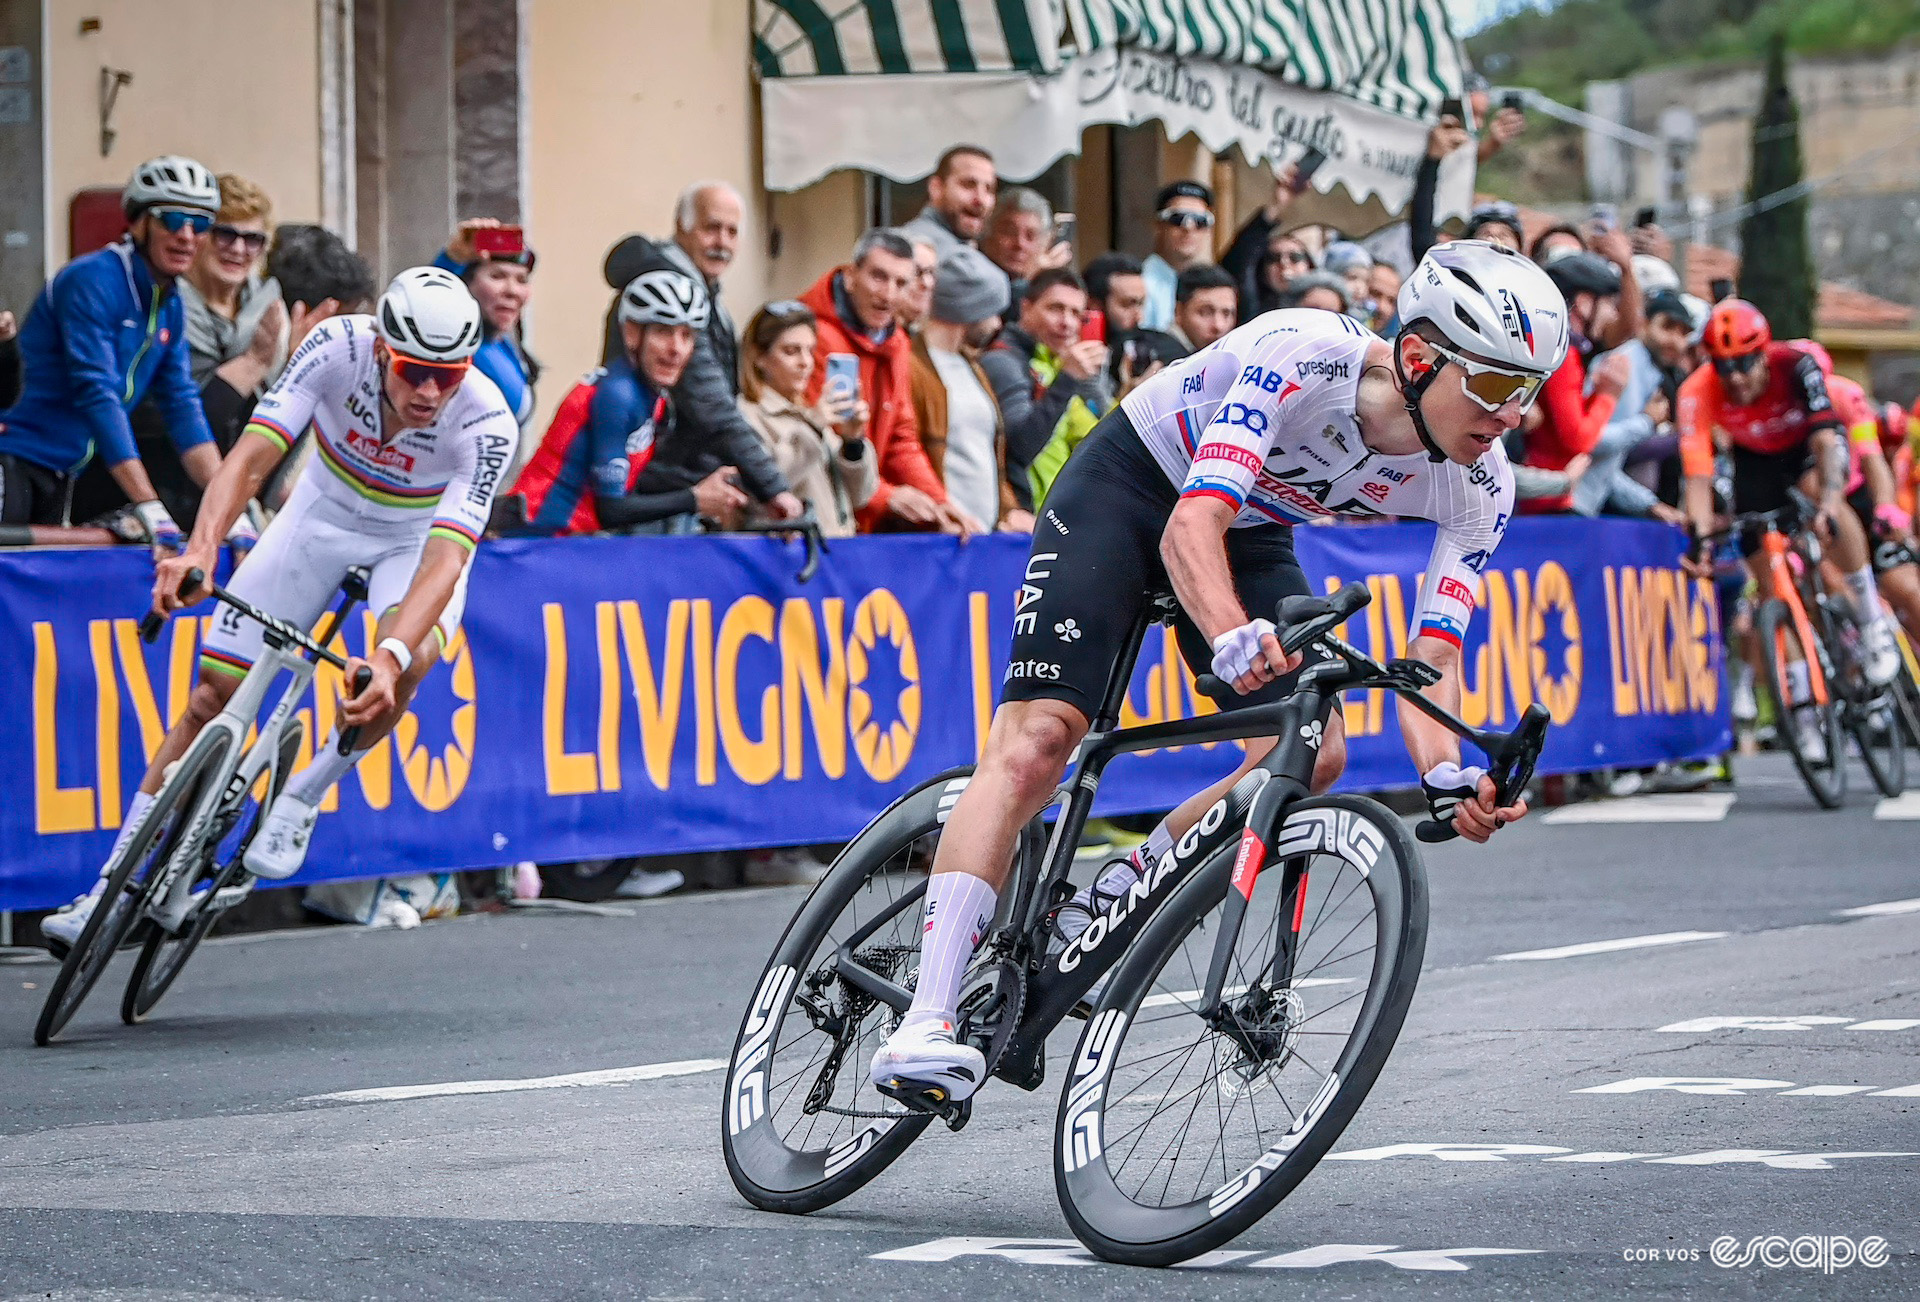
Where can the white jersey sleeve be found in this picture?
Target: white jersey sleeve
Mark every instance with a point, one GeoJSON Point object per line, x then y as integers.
{"type": "Point", "coordinates": [486, 443]}
{"type": "Point", "coordinates": [1471, 506]}
{"type": "Point", "coordinates": [319, 374]}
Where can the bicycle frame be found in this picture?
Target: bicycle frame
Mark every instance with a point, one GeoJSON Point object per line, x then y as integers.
{"type": "Point", "coordinates": [1777, 546]}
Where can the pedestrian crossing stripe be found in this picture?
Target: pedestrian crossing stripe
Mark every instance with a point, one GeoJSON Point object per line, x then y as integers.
{"type": "Point", "coordinates": [1678, 807]}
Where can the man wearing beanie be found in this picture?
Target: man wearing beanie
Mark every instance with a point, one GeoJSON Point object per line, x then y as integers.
{"type": "Point", "coordinates": [960, 424]}
{"type": "Point", "coordinates": [1182, 238]}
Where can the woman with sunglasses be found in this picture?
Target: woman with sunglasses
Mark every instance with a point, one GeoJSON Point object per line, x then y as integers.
{"type": "Point", "coordinates": [106, 332]}
{"type": "Point", "coordinates": [1197, 479]}
{"type": "Point", "coordinates": [236, 323]}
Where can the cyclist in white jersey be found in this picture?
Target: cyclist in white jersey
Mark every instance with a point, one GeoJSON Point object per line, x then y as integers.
{"type": "Point", "coordinates": [1195, 482]}
{"type": "Point", "coordinates": [410, 447]}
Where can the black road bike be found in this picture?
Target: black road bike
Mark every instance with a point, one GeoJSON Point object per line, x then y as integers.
{"type": "Point", "coordinates": [181, 866]}
{"type": "Point", "coordinates": [1259, 976]}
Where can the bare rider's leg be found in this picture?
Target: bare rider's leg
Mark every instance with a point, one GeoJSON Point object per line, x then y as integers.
{"type": "Point", "coordinates": [1901, 587]}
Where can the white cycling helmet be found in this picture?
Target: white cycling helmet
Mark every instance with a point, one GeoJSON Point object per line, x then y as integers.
{"type": "Point", "coordinates": [664, 296]}
{"type": "Point", "coordinates": [1489, 301]}
{"type": "Point", "coordinates": [428, 314]}
{"type": "Point", "coordinates": [170, 181]}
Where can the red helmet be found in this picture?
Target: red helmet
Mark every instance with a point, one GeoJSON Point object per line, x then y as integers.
{"type": "Point", "coordinates": [1818, 352]}
{"type": "Point", "coordinates": [1736, 328]}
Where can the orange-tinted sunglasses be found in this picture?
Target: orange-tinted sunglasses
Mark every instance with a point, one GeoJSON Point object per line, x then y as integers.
{"type": "Point", "coordinates": [414, 372]}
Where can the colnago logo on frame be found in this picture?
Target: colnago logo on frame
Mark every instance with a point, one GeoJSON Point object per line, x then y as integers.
{"type": "Point", "coordinates": [1825, 1253]}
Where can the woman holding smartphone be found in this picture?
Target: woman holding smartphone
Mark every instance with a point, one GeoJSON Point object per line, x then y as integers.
{"type": "Point", "coordinates": [495, 261]}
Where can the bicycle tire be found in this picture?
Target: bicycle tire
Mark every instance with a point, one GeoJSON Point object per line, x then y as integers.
{"type": "Point", "coordinates": [113, 917]}
{"type": "Point", "coordinates": [769, 1172]}
{"type": "Point", "coordinates": [1118, 1226]}
{"type": "Point", "coordinates": [1778, 632]}
{"type": "Point", "coordinates": [164, 955]}
{"type": "Point", "coordinates": [1883, 748]}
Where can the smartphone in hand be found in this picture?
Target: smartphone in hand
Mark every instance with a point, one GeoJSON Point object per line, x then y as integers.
{"type": "Point", "coordinates": [843, 375]}
{"type": "Point", "coordinates": [1094, 327]}
{"type": "Point", "coordinates": [1304, 168]}
{"type": "Point", "coordinates": [1063, 223]}
{"type": "Point", "coordinates": [500, 241]}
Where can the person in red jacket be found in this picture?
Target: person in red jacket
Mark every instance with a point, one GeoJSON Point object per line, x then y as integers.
{"type": "Point", "coordinates": [854, 306]}
{"type": "Point", "coordinates": [1571, 419]}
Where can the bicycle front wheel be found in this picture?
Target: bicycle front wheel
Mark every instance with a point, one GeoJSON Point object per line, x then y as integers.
{"type": "Point", "coordinates": [140, 862]}
{"type": "Point", "coordinates": [1177, 1132]}
{"type": "Point", "coordinates": [1872, 714]}
{"type": "Point", "coordinates": [1781, 647]}
{"type": "Point", "coordinates": [802, 1126]}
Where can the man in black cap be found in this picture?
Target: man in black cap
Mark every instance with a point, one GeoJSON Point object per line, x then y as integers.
{"type": "Point", "coordinates": [1182, 238]}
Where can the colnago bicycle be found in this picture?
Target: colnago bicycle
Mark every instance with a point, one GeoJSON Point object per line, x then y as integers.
{"type": "Point", "coordinates": [181, 866]}
{"type": "Point", "coordinates": [1249, 1009]}
{"type": "Point", "coordinates": [1801, 620]}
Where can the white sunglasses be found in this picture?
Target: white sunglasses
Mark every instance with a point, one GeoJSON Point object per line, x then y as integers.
{"type": "Point", "coordinates": [1493, 387]}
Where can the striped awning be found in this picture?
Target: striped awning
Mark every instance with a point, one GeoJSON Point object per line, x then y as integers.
{"type": "Point", "coordinates": [1398, 55]}
{"type": "Point", "coordinates": [830, 38]}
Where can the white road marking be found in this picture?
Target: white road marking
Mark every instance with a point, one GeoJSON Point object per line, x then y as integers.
{"type": "Point", "coordinates": [575, 1080]}
{"type": "Point", "coordinates": [1904, 1092]}
{"type": "Point", "coordinates": [1904, 805]}
{"type": "Point", "coordinates": [1192, 996]}
{"type": "Point", "coordinates": [1609, 946]}
{"type": "Point", "coordinates": [1066, 1252]}
{"type": "Point", "coordinates": [1688, 807]}
{"type": "Point", "coordinates": [1779, 1159]}
{"type": "Point", "coordinates": [1687, 1085]}
{"type": "Point", "coordinates": [1827, 1091]}
{"type": "Point", "coordinates": [1885, 910]}
{"type": "Point", "coordinates": [1701, 1025]}
{"type": "Point", "coordinates": [1887, 1024]}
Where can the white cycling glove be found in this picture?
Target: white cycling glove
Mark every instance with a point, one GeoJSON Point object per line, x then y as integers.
{"type": "Point", "coordinates": [1235, 650]}
{"type": "Point", "coordinates": [162, 532]}
{"type": "Point", "coordinates": [1446, 785]}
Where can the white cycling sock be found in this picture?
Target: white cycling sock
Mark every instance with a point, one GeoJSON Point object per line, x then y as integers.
{"type": "Point", "coordinates": [959, 911]}
{"type": "Point", "coordinates": [309, 785]}
{"type": "Point", "coordinates": [135, 807]}
{"type": "Point", "coordinates": [1866, 596]}
{"type": "Point", "coordinates": [1799, 686]}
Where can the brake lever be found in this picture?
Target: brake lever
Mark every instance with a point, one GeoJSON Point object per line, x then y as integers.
{"type": "Point", "coordinates": [1510, 765]}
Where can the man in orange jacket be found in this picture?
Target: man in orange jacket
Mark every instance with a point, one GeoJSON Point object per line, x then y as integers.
{"type": "Point", "coordinates": [855, 307]}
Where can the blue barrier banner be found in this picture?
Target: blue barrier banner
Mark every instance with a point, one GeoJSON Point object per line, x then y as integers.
{"type": "Point", "coordinates": [625, 696]}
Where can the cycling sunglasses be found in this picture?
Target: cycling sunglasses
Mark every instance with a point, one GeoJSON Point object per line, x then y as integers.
{"type": "Point", "coordinates": [1493, 387]}
{"type": "Point", "coordinates": [173, 219]}
{"type": "Point", "coordinates": [227, 236]}
{"type": "Point", "coordinates": [1726, 367]}
{"type": "Point", "coordinates": [1186, 219]}
{"type": "Point", "coordinates": [414, 372]}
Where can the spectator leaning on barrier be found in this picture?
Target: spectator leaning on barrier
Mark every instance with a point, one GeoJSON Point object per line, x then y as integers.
{"type": "Point", "coordinates": [86, 367]}
{"type": "Point", "coordinates": [1182, 237]}
{"type": "Point", "coordinates": [709, 430]}
{"type": "Point", "coordinates": [1205, 306]}
{"type": "Point", "coordinates": [502, 283]}
{"type": "Point", "coordinates": [1643, 408]}
{"type": "Point", "coordinates": [823, 451]}
{"type": "Point", "coordinates": [1039, 365]}
{"type": "Point", "coordinates": [1571, 420]}
{"type": "Point", "coordinates": [960, 197]}
{"type": "Point", "coordinates": [585, 476]}
{"type": "Point", "coordinates": [854, 307]}
{"type": "Point", "coordinates": [953, 402]}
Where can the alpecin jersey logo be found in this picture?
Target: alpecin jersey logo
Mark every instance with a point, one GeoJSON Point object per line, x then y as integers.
{"type": "Point", "coordinates": [380, 454]}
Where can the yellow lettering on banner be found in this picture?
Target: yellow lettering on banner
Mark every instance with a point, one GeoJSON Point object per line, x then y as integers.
{"type": "Point", "coordinates": [604, 631]}
{"type": "Point", "coordinates": [375, 768]}
{"type": "Point", "coordinates": [436, 781]}
{"type": "Point", "coordinates": [55, 808]}
{"type": "Point", "coordinates": [133, 671]}
{"type": "Point", "coordinates": [883, 754]}
{"type": "Point", "coordinates": [657, 700]}
{"type": "Point", "coordinates": [706, 759]}
{"type": "Point", "coordinates": [1387, 638]}
{"type": "Point", "coordinates": [326, 697]}
{"type": "Point", "coordinates": [1477, 702]}
{"type": "Point", "coordinates": [567, 774]}
{"type": "Point", "coordinates": [1510, 636]}
{"type": "Point", "coordinates": [753, 762]}
{"type": "Point", "coordinates": [824, 693]}
{"type": "Point", "coordinates": [982, 673]}
{"type": "Point", "coordinates": [1353, 712]}
{"type": "Point", "coordinates": [1705, 624]}
{"type": "Point", "coordinates": [1624, 705]}
{"type": "Point", "coordinates": [183, 656]}
{"type": "Point", "coordinates": [106, 720]}
{"type": "Point", "coordinates": [1553, 590]}
{"type": "Point", "coordinates": [1676, 627]}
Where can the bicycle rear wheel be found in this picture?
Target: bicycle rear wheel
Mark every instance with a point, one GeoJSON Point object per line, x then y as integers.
{"type": "Point", "coordinates": [801, 1125]}
{"type": "Point", "coordinates": [166, 953]}
{"type": "Point", "coordinates": [1871, 714]}
{"type": "Point", "coordinates": [1177, 1133]}
{"type": "Point", "coordinates": [1781, 645]}
{"type": "Point", "coordinates": [140, 862]}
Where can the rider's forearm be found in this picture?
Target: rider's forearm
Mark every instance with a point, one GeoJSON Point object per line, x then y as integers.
{"type": "Point", "coordinates": [1832, 451]}
{"type": "Point", "coordinates": [1697, 497]}
{"type": "Point", "coordinates": [1195, 553]}
{"type": "Point", "coordinates": [441, 561]}
{"type": "Point", "coordinates": [238, 478]}
{"type": "Point", "coordinates": [1873, 464]}
{"type": "Point", "coordinates": [1430, 743]}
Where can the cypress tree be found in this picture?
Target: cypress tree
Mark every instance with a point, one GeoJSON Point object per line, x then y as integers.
{"type": "Point", "coordinates": [1776, 259]}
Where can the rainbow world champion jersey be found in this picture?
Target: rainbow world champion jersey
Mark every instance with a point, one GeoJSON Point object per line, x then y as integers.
{"type": "Point", "coordinates": [440, 480]}
{"type": "Point", "coordinates": [1264, 419]}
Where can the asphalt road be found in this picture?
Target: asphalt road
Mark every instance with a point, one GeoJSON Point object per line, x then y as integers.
{"type": "Point", "coordinates": [190, 1158]}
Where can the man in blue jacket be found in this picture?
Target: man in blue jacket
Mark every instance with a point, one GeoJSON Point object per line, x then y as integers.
{"type": "Point", "coordinates": [107, 330]}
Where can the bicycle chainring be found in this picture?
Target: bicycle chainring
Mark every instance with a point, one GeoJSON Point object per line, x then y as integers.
{"type": "Point", "coordinates": [992, 997]}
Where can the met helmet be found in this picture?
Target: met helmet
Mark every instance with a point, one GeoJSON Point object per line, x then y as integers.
{"type": "Point", "coordinates": [428, 314]}
{"type": "Point", "coordinates": [1735, 328]}
{"type": "Point", "coordinates": [1489, 301]}
{"type": "Point", "coordinates": [664, 296]}
{"type": "Point", "coordinates": [170, 181]}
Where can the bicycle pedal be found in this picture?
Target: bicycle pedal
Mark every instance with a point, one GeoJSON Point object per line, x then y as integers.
{"type": "Point", "coordinates": [918, 1096]}
{"type": "Point", "coordinates": [228, 896]}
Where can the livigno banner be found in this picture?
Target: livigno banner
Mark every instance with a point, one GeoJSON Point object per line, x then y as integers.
{"type": "Point", "coordinates": [652, 695]}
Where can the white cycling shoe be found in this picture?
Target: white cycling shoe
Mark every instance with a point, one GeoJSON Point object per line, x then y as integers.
{"type": "Point", "coordinates": [279, 849]}
{"type": "Point", "coordinates": [61, 929]}
{"type": "Point", "coordinates": [1809, 726]}
{"type": "Point", "coordinates": [924, 1067]}
{"type": "Point", "coordinates": [1881, 651]}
